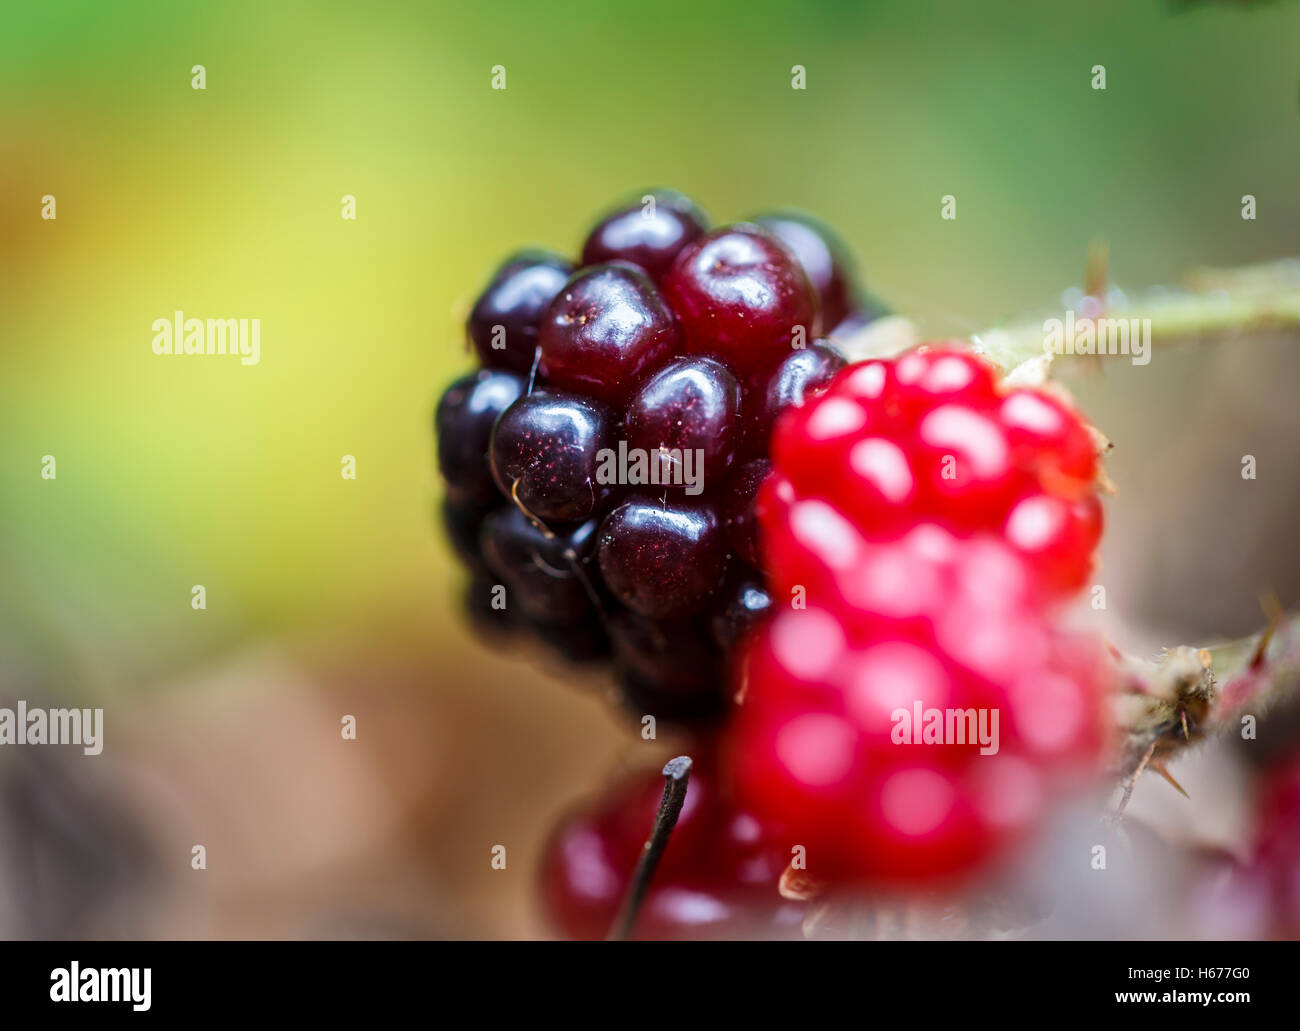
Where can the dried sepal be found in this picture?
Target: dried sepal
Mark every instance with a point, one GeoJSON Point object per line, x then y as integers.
{"type": "Point", "coordinates": [799, 885]}
{"type": "Point", "coordinates": [1166, 706]}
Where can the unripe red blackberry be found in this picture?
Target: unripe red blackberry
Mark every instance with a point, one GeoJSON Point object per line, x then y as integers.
{"type": "Point", "coordinates": [717, 878]}
{"type": "Point", "coordinates": [931, 437]}
{"type": "Point", "coordinates": [919, 528]}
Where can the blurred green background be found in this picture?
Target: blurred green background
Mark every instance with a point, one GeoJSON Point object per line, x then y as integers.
{"type": "Point", "coordinates": [226, 203]}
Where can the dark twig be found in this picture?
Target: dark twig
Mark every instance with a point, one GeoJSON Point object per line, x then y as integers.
{"type": "Point", "coordinates": [677, 774]}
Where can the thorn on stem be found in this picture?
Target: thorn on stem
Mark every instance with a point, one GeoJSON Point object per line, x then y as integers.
{"type": "Point", "coordinates": [1273, 610]}
{"type": "Point", "coordinates": [1161, 769]}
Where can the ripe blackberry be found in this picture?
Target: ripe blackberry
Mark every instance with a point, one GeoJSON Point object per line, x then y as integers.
{"type": "Point", "coordinates": [862, 538]}
{"type": "Point", "coordinates": [602, 466]}
{"type": "Point", "coordinates": [741, 607]}
{"type": "Point", "coordinates": [662, 560]}
{"type": "Point", "coordinates": [739, 517]}
{"type": "Point", "coordinates": [673, 655]}
{"type": "Point", "coordinates": [544, 452]}
{"type": "Point", "coordinates": [743, 298]}
{"type": "Point", "coordinates": [688, 702]}
{"type": "Point", "coordinates": [544, 571]}
{"type": "Point", "coordinates": [689, 405]}
{"type": "Point", "coordinates": [463, 424]}
{"type": "Point", "coordinates": [503, 322]}
{"type": "Point", "coordinates": [605, 330]}
{"type": "Point", "coordinates": [806, 371]}
{"type": "Point", "coordinates": [462, 521]}
{"type": "Point", "coordinates": [491, 624]}
{"type": "Point", "coordinates": [824, 258]}
{"type": "Point", "coordinates": [648, 235]}
{"type": "Point", "coordinates": [581, 643]}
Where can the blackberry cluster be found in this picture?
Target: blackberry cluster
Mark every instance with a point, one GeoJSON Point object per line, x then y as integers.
{"type": "Point", "coordinates": [639, 426]}
{"type": "Point", "coordinates": [602, 463]}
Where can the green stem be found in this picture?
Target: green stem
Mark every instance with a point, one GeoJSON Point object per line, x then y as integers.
{"type": "Point", "coordinates": [1211, 307]}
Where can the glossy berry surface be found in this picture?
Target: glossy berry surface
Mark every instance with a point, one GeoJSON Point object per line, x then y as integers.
{"type": "Point", "coordinates": [649, 235]}
{"type": "Point", "coordinates": [742, 298]}
{"type": "Point", "coordinates": [823, 258]}
{"type": "Point", "coordinates": [544, 571]}
{"type": "Point", "coordinates": [503, 322]}
{"type": "Point", "coordinates": [801, 375]}
{"type": "Point", "coordinates": [605, 330]}
{"type": "Point", "coordinates": [691, 404]}
{"type": "Point", "coordinates": [660, 559]}
{"type": "Point", "coordinates": [739, 498]}
{"type": "Point", "coordinates": [930, 436]}
{"type": "Point", "coordinates": [463, 422]}
{"type": "Point", "coordinates": [838, 735]}
{"type": "Point", "coordinates": [874, 543]}
{"type": "Point", "coordinates": [545, 450]}
{"type": "Point", "coordinates": [717, 878]}
{"type": "Point", "coordinates": [741, 606]}
{"type": "Point", "coordinates": [927, 538]}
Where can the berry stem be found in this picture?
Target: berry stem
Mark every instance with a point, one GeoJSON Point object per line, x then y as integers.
{"type": "Point", "coordinates": [1231, 679]}
{"type": "Point", "coordinates": [1210, 306]}
{"type": "Point", "coordinates": [677, 775]}
{"type": "Point", "coordinates": [1257, 672]}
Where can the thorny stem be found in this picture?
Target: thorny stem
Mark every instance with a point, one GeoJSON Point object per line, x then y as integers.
{"type": "Point", "coordinates": [1213, 306]}
{"type": "Point", "coordinates": [1258, 672]}
{"type": "Point", "coordinates": [1210, 306]}
{"type": "Point", "coordinates": [1244, 677]}
{"type": "Point", "coordinates": [677, 775]}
